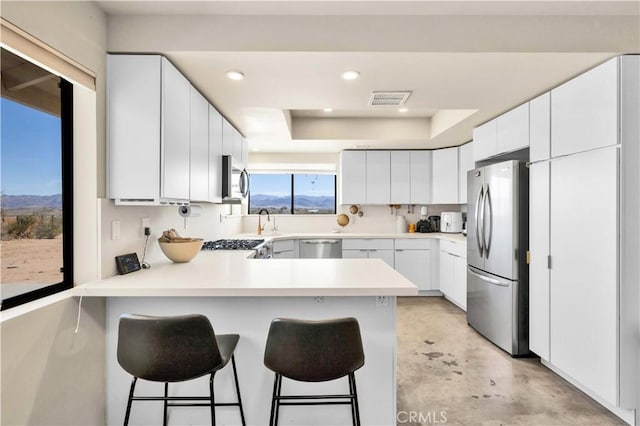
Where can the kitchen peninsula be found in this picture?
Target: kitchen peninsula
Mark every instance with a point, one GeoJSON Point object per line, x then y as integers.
{"type": "Point", "coordinates": [242, 295]}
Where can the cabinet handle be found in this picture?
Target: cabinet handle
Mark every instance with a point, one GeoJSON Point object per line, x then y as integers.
{"type": "Point", "coordinates": [399, 250]}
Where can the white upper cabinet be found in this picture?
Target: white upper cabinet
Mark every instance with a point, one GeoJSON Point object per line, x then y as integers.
{"type": "Point", "coordinates": [245, 153]}
{"type": "Point", "coordinates": [420, 170]}
{"type": "Point", "coordinates": [199, 172]}
{"type": "Point", "coordinates": [237, 145]}
{"type": "Point", "coordinates": [228, 137]}
{"type": "Point", "coordinates": [400, 177]}
{"type": "Point", "coordinates": [378, 171]}
{"type": "Point", "coordinates": [540, 128]}
{"type": "Point", "coordinates": [445, 176]}
{"type": "Point", "coordinates": [584, 111]}
{"type": "Point", "coordinates": [485, 143]}
{"type": "Point", "coordinates": [465, 163]}
{"type": "Point", "coordinates": [353, 176]}
{"type": "Point", "coordinates": [512, 129]}
{"type": "Point", "coordinates": [174, 156]}
{"type": "Point", "coordinates": [215, 155]}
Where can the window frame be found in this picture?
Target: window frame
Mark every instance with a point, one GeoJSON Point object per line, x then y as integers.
{"type": "Point", "coordinates": [66, 142]}
{"type": "Point", "coordinates": [291, 175]}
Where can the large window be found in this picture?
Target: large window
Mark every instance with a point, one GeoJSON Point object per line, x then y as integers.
{"type": "Point", "coordinates": [292, 193]}
{"type": "Point", "coordinates": [36, 253]}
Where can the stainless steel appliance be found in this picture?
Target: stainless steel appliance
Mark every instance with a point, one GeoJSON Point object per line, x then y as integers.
{"type": "Point", "coordinates": [235, 181]}
{"type": "Point", "coordinates": [497, 241]}
{"type": "Point", "coordinates": [321, 249]}
{"type": "Point", "coordinates": [451, 222]}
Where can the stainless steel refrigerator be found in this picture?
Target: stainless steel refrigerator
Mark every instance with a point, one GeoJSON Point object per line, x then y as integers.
{"type": "Point", "coordinates": [497, 243]}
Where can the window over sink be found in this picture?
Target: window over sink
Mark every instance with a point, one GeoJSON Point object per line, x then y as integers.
{"type": "Point", "coordinates": [292, 193]}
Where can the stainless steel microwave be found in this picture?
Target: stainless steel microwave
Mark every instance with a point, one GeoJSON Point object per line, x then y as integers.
{"type": "Point", "coordinates": [235, 181]}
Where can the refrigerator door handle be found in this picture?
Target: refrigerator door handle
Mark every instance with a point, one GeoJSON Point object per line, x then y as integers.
{"type": "Point", "coordinates": [487, 236]}
{"type": "Point", "coordinates": [487, 279]}
{"type": "Point", "coordinates": [479, 200]}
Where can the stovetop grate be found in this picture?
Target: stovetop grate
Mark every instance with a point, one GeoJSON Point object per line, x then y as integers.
{"type": "Point", "coordinates": [231, 244]}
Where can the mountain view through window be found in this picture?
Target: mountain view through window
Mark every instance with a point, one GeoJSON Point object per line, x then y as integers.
{"type": "Point", "coordinates": [292, 193]}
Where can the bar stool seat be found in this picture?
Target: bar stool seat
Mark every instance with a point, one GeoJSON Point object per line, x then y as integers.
{"type": "Point", "coordinates": [175, 349]}
{"type": "Point", "coordinates": [314, 351]}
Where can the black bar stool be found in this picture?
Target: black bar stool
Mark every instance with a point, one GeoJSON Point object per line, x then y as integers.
{"type": "Point", "coordinates": [175, 349]}
{"type": "Point", "coordinates": [314, 351]}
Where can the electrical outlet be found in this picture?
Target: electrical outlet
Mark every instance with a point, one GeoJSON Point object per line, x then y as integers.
{"type": "Point", "coordinates": [146, 224]}
{"type": "Point", "coordinates": [115, 230]}
{"type": "Point", "coordinates": [382, 301]}
{"type": "Point", "coordinates": [318, 299]}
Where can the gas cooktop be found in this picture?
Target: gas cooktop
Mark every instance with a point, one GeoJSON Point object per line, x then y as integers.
{"type": "Point", "coordinates": [231, 244]}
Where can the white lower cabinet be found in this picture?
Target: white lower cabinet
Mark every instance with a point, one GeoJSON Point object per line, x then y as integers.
{"type": "Point", "coordinates": [413, 260]}
{"type": "Point", "coordinates": [453, 272]}
{"type": "Point", "coordinates": [284, 249]}
{"type": "Point", "coordinates": [368, 248]}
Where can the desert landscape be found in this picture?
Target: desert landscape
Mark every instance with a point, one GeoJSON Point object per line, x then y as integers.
{"type": "Point", "coordinates": [33, 261]}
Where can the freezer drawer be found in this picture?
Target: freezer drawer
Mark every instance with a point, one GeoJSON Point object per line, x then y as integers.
{"type": "Point", "coordinates": [495, 309]}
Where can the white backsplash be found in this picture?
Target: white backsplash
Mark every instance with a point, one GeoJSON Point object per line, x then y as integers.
{"type": "Point", "coordinates": [216, 221]}
{"type": "Point", "coordinates": [374, 219]}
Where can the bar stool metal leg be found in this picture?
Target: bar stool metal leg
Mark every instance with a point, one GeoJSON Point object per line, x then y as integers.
{"type": "Point", "coordinates": [356, 408]}
{"type": "Point", "coordinates": [213, 400]}
{"type": "Point", "coordinates": [275, 401]}
{"type": "Point", "coordinates": [235, 377]}
{"type": "Point", "coordinates": [166, 395]}
{"type": "Point", "coordinates": [126, 416]}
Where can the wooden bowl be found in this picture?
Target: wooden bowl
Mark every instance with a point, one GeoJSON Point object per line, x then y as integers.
{"type": "Point", "coordinates": [182, 251]}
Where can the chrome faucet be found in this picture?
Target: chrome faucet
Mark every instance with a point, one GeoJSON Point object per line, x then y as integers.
{"type": "Point", "coordinates": [260, 225]}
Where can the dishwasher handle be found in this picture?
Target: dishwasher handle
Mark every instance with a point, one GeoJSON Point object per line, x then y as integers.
{"type": "Point", "coordinates": [320, 241]}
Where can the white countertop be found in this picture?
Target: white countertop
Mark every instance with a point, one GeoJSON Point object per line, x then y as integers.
{"type": "Point", "coordinates": [269, 236]}
{"type": "Point", "coordinates": [227, 273]}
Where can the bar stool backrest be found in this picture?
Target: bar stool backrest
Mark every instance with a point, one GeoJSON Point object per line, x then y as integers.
{"type": "Point", "coordinates": [167, 349]}
{"type": "Point", "coordinates": [314, 351]}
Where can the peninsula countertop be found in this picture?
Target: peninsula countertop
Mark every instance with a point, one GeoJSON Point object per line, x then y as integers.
{"type": "Point", "coordinates": [225, 273]}
{"type": "Point", "coordinates": [274, 236]}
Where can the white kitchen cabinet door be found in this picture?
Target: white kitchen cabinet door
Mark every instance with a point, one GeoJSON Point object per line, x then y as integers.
{"type": "Point", "coordinates": [133, 123]}
{"type": "Point", "coordinates": [445, 176]}
{"type": "Point", "coordinates": [465, 163]}
{"type": "Point", "coordinates": [237, 146]}
{"type": "Point", "coordinates": [539, 193]}
{"type": "Point", "coordinates": [584, 111]}
{"type": "Point", "coordinates": [485, 143]}
{"type": "Point", "coordinates": [227, 137]}
{"type": "Point", "coordinates": [378, 177]}
{"type": "Point", "coordinates": [386, 255]}
{"type": "Point", "coordinates": [174, 155]}
{"type": "Point", "coordinates": [355, 254]}
{"type": "Point", "coordinates": [353, 176]}
{"type": "Point", "coordinates": [199, 170]}
{"type": "Point", "coordinates": [415, 265]}
{"type": "Point", "coordinates": [420, 169]}
{"type": "Point", "coordinates": [540, 128]}
{"type": "Point", "coordinates": [446, 274]}
{"type": "Point", "coordinates": [400, 177]}
{"type": "Point", "coordinates": [584, 269]}
{"type": "Point", "coordinates": [460, 281]}
{"type": "Point", "coordinates": [215, 155]}
{"type": "Point", "coordinates": [512, 129]}
{"type": "Point", "coordinates": [245, 153]}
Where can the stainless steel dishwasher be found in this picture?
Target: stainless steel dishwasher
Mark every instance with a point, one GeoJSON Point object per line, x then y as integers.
{"type": "Point", "coordinates": [321, 249]}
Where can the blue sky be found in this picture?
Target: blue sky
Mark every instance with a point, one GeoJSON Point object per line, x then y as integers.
{"type": "Point", "coordinates": [30, 154]}
{"type": "Point", "coordinates": [280, 185]}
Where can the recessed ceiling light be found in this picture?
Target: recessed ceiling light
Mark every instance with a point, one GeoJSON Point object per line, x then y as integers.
{"type": "Point", "coordinates": [328, 109]}
{"type": "Point", "coordinates": [403, 109]}
{"type": "Point", "coordinates": [235, 75]}
{"type": "Point", "coordinates": [350, 75]}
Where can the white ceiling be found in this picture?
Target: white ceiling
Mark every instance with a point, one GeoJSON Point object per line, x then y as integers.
{"type": "Point", "coordinates": [464, 61]}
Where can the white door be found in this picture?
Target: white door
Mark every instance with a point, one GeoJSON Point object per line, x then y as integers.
{"type": "Point", "coordinates": [460, 281]}
{"type": "Point", "coordinates": [465, 163]}
{"type": "Point", "coordinates": [584, 284]}
{"type": "Point", "coordinates": [353, 176]}
{"type": "Point", "coordinates": [584, 111]}
{"type": "Point", "coordinates": [445, 176]}
{"type": "Point", "coordinates": [513, 129]}
{"type": "Point", "coordinates": [386, 255]}
{"type": "Point", "coordinates": [378, 177]}
{"type": "Point", "coordinates": [484, 141]}
{"type": "Point", "coordinates": [175, 133]}
{"type": "Point", "coordinates": [539, 193]}
{"type": "Point", "coordinates": [415, 265]}
{"type": "Point", "coordinates": [400, 177]}
{"type": "Point", "coordinates": [446, 274]}
{"type": "Point", "coordinates": [420, 169]}
{"type": "Point", "coordinates": [199, 169]}
{"type": "Point", "coordinates": [215, 155]}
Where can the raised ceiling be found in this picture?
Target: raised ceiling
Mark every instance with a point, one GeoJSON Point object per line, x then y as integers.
{"type": "Point", "coordinates": [464, 61]}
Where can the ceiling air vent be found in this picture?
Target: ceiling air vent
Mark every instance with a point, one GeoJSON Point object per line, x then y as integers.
{"type": "Point", "coordinates": [391, 99]}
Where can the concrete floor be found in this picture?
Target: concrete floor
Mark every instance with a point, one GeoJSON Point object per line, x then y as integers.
{"type": "Point", "coordinates": [448, 373]}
